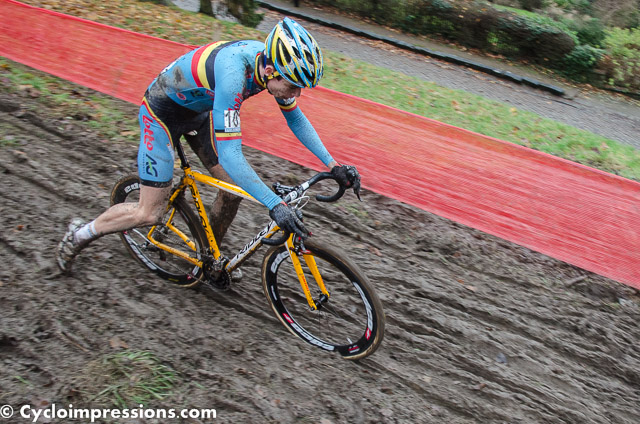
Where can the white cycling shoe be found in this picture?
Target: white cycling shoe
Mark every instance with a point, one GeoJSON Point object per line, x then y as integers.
{"type": "Point", "coordinates": [68, 248]}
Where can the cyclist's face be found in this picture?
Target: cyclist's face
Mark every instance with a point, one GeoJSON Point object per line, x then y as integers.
{"type": "Point", "coordinates": [283, 89]}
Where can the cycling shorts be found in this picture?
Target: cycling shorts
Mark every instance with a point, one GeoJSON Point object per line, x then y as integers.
{"type": "Point", "coordinates": [162, 123]}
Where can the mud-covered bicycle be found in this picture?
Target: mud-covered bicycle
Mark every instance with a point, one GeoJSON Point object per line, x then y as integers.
{"type": "Point", "coordinates": [340, 312]}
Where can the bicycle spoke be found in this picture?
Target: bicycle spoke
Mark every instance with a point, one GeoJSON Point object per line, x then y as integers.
{"type": "Point", "coordinates": [178, 231]}
{"type": "Point", "coordinates": [340, 320]}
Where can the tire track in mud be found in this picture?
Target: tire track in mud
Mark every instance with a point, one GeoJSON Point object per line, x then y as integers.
{"type": "Point", "coordinates": [478, 329]}
{"type": "Point", "coordinates": [550, 332]}
{"type": "Point", "coordinates": [502, 318]}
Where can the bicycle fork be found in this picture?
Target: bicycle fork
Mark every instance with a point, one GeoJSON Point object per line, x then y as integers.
{"type": "Point", "coordinates": [295, 253]}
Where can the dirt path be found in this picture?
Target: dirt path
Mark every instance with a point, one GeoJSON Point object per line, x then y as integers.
{"type": "Point", "coordinates": [478, 330]}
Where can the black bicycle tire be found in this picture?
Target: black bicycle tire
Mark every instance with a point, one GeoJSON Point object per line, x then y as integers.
{"type": "Point", "coordinates": [365, 346]}
{"type": "Point", "coordinates": [128, 184]}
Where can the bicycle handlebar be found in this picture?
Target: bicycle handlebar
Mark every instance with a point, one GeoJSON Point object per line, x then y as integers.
{"type": "Point", "coordinates": [276, 241]}
{"type": "Point", "coordinates": [289, 194]}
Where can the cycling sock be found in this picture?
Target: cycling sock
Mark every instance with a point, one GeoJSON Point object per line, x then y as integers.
{"type": "Point", "coordinates": [86, 233]}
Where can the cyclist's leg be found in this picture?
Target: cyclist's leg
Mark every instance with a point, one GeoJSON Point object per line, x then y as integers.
{"type": "Point", "coordinates": [225, 206]}
{"type": "Point", "coordinates": [155, 167]}
{"type": "Point", "coordinates": [148, 211]}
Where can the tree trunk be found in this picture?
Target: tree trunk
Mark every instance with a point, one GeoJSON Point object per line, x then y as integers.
{"type": "Point", "coordinates": [205, 7]}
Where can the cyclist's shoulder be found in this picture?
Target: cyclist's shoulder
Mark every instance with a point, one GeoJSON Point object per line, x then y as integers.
{"type": "Point", "coordinates": [242, 51]}
{"type": "Point", "coordinates": [244, 45]}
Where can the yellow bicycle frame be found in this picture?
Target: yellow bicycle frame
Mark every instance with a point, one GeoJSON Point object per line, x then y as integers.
{"type": "Point", "coordinates": [189, 181]}
{"type": "Point", "coordinates": [313, 267]}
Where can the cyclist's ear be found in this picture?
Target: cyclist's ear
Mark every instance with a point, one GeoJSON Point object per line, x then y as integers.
{"type": "Point", "coordinates": [269, 69]}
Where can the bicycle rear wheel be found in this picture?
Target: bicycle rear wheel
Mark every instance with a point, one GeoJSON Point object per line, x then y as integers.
{"type": "Point", "coordinates": [351, 321]}
{"type": "Point", "coordinates": [183, 224]}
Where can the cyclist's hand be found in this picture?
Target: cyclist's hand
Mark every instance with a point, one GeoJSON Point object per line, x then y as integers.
{"type": "Point", "coordinates": [348, 177]}
{"type": "Point", "coordinates": [287, 220]}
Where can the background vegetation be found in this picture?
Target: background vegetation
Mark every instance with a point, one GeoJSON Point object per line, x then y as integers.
{"type": "Point", "coordinates": [595, 41]}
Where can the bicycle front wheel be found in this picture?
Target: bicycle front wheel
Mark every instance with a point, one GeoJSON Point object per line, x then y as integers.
{"type": "Point", "coordinates": [180, 229]}
{"type": "Point", "coordinates": [350, 320]}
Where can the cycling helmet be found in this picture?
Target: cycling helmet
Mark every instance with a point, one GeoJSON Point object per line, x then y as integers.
{"type": "Point", "coordinates": [294, 53]}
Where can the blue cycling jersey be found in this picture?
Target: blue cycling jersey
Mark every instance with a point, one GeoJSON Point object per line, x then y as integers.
{"type": "Point", "coordinates": [213, 81]}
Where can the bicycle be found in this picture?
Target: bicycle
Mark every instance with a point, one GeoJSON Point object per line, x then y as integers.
{"type": "Point", "coordinates": [340, 313]}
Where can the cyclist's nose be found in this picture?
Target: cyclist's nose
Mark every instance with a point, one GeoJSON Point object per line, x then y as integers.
{"type": "Point", "coordinates": [297, 91]}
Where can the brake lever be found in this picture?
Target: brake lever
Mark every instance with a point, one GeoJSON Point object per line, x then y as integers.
{"type": "Point", "coordinates": [356, 190]}
{"type": "Point", "coordinates": [354, 177]}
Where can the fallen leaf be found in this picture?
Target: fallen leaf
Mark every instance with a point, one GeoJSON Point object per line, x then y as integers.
{"type": "Point", "coordinates": [116, 343]}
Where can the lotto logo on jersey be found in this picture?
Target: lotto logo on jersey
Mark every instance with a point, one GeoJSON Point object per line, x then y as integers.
{"type": "Point", "coordinates": [148, 134]}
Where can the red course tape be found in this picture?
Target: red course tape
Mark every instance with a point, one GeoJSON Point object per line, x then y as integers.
{"type": "Point", "coordinates": [577, 214]}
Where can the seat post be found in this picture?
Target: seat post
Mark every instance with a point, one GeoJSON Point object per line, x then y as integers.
{"type": "Point", "coordinates": [183, 159]}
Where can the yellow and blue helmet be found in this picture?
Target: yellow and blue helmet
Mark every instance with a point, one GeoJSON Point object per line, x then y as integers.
{"type": "Point", "coordinates": [294, 53]}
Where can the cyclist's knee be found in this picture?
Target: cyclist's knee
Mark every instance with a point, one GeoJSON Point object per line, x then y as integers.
{"type": "Point", "coordinates": [152, 205]}
{"type": "Point", "coordinates": [144, 216]}
{"type": "Point", "coordinates": [155, 216]}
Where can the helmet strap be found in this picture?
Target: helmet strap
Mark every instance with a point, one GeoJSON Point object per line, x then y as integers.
{"type": "Point", "coordinates": [267, 78]}
{"type": "Point", "coordinates": [272, 76]}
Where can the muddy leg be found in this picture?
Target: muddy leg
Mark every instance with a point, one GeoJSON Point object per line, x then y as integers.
{"type": "Point", "coordinates": [224, 208]}
{"type": "Point", "coordinates": [148, 211]}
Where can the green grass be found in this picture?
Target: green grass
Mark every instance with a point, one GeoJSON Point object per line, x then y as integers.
{"type": "Point", "coordinates": [102, 114]}
{"type": "Point", "coordinates": [364, 80]}
{"type": "Point", "coordinates": [129, 378]}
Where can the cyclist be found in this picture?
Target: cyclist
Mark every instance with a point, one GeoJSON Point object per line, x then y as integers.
{"type": "Point", "coordinates": [198, 96]}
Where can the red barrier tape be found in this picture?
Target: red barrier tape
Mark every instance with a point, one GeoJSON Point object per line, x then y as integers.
{"type": "Point", "coordinates": [568, 211]}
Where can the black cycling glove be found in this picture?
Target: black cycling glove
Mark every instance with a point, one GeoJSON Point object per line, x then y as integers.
{"type": "Point", "coordinates": [348, 177]}
{"type": "Point", "coordinates": [287, 220]}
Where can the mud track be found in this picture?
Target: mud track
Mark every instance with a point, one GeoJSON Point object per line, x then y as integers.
{"type": "Point", "coordinates": [479, 330]}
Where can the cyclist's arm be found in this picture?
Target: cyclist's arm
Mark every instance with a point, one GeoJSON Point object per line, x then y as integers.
{"type": "Point", "coordinates": [228, 139]}
{"type": "Point", "coordinates": [304, 131]}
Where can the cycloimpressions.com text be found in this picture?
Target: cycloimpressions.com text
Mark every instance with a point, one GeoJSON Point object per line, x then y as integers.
{"type": "Point", "coordinates": [97, 415]}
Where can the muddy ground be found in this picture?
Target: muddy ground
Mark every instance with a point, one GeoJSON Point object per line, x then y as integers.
{"type": "Point", "coordinates": [479, 330]}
